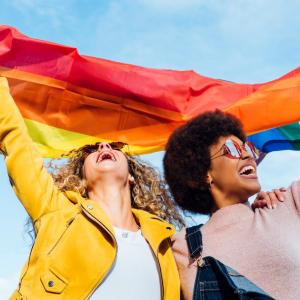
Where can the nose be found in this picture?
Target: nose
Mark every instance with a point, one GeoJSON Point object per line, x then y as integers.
{"type": "Point", "coordinates": [245, 154]}
{"type": "Point", "coordinates": [104, 146]}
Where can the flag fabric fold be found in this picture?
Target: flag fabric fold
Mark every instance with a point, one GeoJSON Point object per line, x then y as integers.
{"type": "Point", "coordinates": [68, 100]}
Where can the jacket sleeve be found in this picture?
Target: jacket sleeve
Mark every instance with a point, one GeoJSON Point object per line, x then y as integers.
{"type": "Point", "coordinates": [29, 178]}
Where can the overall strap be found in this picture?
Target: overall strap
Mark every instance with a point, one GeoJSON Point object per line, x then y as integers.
{"type": "Point", "coordinates": [194, 241]}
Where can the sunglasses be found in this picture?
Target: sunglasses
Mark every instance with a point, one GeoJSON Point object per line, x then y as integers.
{"type": "Point", "coordinates": [88, 149]}
{"type": "Point", "coordinates": [234, 150]}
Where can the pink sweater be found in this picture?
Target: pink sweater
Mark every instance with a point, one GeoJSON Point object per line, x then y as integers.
{"type": "Point", "coordinates": [263, 245]}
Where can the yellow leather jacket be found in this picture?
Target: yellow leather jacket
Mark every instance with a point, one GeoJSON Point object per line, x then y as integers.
{"type": "Point", "coordinates": [75, 246]}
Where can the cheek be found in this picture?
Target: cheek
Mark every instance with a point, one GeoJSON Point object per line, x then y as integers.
{"type": "Point", "coordinates": [123, 162]}
{"type": "Point", "coordinates": [87, 166]}
{"type": "Point", "coordinates": [225, 169]}
{"type": "Point", "coordinates": [124, 166]}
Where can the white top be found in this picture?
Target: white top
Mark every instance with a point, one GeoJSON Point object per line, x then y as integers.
{"type": "Point", "coordinates": [134, 276]}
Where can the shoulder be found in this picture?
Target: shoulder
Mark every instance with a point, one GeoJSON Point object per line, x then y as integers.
{"type": "Point", "coordinates": [150, 220]}
{"type": "Point", "coordinates": [142, 214]}
{"type": "Point", "coordinates": [292, 195]}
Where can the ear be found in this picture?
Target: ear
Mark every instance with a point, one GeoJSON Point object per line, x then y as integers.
{"type": "Point", "coordinates": [209, 179]}
{"type": "Point", "coordinates": [84, 182]}
{"type": "Point", "coordinates": [131, 179]}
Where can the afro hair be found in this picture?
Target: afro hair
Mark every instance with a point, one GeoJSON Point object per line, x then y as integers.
{"type": "Point", "coordinates": [187, 158]}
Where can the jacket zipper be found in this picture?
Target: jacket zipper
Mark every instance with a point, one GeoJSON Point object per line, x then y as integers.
{"type": "Point", "coordinates": [115, 242]}
{"type": "Point", "coordinates": [67, 227]}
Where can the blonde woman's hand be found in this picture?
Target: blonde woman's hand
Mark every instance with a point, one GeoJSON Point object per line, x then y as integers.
{"type": "Point", "coordinates": [269, 199]}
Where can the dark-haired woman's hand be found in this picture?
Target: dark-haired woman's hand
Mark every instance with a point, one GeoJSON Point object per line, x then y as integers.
{"type": "Point", "coordinates": [269, 199]}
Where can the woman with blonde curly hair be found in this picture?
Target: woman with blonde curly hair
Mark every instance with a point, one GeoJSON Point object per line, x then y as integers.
{"type": "Point", "coordinates": [99, 220]}
{"type": "Point", "coordinates": [148, 190]}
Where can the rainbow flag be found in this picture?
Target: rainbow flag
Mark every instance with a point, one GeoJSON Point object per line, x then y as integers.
{"type": "Point", "coordinates": [68, 100]}
{"type": "Point", "coordinates": [276, 139]}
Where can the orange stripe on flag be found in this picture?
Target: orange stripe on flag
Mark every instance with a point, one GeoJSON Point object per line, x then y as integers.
{"type": "Point", "coordinates": [79, 98]}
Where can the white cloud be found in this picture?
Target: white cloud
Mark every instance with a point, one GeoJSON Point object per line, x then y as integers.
{"type": "Point", "coordinates": [279, 169]}
{"type": "Point", "coordinates": [257, 33]}
{"type": "Point", "coordinates": [242, 41]}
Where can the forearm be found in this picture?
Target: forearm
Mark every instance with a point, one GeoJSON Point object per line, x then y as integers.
{"type": "Point", "coordinates": [31, 181]}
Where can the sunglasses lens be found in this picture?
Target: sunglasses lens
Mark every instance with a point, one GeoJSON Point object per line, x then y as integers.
{"type": "Point", "coordinates": [117, 145]}
{"type": "Point", "coordinates": [250, 148]}
{"type": "Point", "coordinates": [233, 150]}
{"type": "Point", "coordinates": [90, 149]}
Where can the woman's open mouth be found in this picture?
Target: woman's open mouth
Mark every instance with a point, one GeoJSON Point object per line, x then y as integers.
{"type": "Point", "coordinates": [248, 171]}
{"type": "Point", "coordinates": [107, 155]}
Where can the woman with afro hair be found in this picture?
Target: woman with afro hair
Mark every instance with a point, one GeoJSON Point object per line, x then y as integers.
{"type": "Point", "coordinates": [211, 169]}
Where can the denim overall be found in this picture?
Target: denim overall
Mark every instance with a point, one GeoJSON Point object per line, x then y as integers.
{"type": "Point", "coordinates": [216, 281]}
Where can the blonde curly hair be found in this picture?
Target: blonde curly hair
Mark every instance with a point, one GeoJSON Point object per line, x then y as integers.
{"type": "Point", "coordinates": [149, 192]}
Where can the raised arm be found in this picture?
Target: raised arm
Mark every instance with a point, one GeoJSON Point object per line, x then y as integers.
{"type": "Point", "coordinates": [31, 182]}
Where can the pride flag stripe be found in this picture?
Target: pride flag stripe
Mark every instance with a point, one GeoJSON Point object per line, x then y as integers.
{"type": "Point", "coordinates": [68, 99]}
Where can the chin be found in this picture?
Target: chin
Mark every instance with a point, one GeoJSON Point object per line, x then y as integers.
{"type": "Point", "coordinates": [253, 188]}
{"type": "Point", "coordinates": [250, 188]}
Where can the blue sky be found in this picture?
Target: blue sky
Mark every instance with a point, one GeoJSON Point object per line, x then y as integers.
{"type": "Point", "coordinates": [241, 41]}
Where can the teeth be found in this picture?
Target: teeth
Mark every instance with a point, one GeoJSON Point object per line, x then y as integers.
{"type": "Point", "coordinates": [247, 170]}
{"type": "Point", "coordinates": [106, 156]}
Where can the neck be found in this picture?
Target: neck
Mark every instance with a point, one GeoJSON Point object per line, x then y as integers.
{"type": "Point", "coordinates": [115, 200]}
{"type": "Point", "coordinates": [222, 200]}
